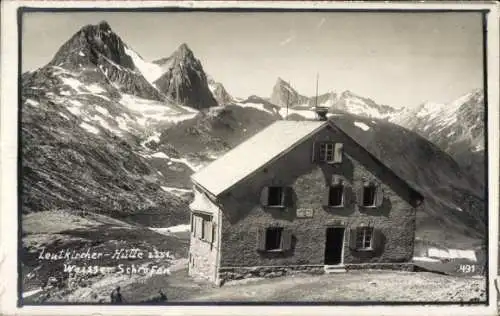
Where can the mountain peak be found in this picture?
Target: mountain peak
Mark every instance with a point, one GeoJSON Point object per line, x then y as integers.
{"type": "Point", "coordinates": [184, 51]}
{"type": "Point", "coordinates": [184, 79]}
{"type": "Point", "coordinates": [104, 25]}
{"type": "Point", "coordinates": [283, 94]}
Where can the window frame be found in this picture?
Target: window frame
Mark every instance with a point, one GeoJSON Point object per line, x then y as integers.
{"type": "Point", "coordinates": [326, 148]}
{"type": "Point", "coordinates": [373, 187]}
{"type": "Point", "coordinates": [342, 195]}
{"type": "Point", "coordinates": [202, 234]}
{"type": "Point", "coordinates": [282, 197]}
{"type": "Point", "coordinates": [279, 239]}
{"type": "Point", "coordinates": [366, 232]}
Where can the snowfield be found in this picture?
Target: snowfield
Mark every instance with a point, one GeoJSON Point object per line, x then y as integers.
{"type": "Point", "coordinates": [150, 71]}
{"type": "Point", "coordinates": [155, 111]}
{"type": "Point", "coordinates": [362, 125]}
{"type": "Point", "coordinates": [257, 106]}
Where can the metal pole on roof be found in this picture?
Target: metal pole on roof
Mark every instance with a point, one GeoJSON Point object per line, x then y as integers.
{"type": "Point", "coordinates": [317, 80]}
{"type": "Point", "coordinates": [287, 99]}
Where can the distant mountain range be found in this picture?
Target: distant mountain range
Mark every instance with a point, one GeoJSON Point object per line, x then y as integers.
{"type": "Point", "coordinates": [105, 131]}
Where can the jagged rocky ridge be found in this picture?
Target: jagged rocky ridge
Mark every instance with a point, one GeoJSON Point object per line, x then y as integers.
{"type": "Point", "coordinates": [219, 92]}
{"type": "Point", "coordinates": [104, 54]}
{"type": "Point", "coordinates": [185, 81]}
{"type": "Point", "coordinates": [283, 93]}
{"type": "Point", "coordinates": [457, 127]}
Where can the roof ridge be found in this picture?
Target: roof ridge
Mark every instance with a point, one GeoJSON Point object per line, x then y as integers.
{"type": "Point", "coordinates": [331, 122]}
{"type": "Point", "coordinates": [268, 161]}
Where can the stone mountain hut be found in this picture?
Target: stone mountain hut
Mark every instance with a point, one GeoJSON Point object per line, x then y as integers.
{"type": "Point", "coordinates": [299, 196]}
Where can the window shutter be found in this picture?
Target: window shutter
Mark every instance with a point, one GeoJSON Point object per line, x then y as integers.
{"type": "Point", "coordinates": [192, 223]}
{"type": "Point", "coordinates": [377, 239]}
{"type": "Point", "coordinates": [348, 194]}
{"type": "Point", "coordinates": [359, 194]}
{"type": "Point", "coordinates": [261, 239]}
{"type": "Point", "coordinates": [314, 153]}
{"type": "Point", "coordinates": [379, 195]}
{"type": "Point", "coordinates": [200, 227]}
{"type": "Point", "coordinates": [352, 238]}
{"type": "Point", "coordinates": [196, 226]}
{"type": "Point", "coordinates": [214, 233]}
{"type": "Point", "coordinates": [286, 239]}
{"type": "Point", "coordinates": [288, 192]}
{"type": "Point", "coordinates": [337, 155]}
{"type": "Point", "coordinates": [208, 231]}
{"type": "Point", "coordinates": [264, 196]}
{"type": "Point", "coordinates": [326, 196]}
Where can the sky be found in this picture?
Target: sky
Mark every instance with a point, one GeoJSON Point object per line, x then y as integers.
{"type": "Point", "coordinates": [398, 59]}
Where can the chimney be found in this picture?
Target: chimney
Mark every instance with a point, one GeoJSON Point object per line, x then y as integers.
{"type": "Point", "coordinates": [321, 112]}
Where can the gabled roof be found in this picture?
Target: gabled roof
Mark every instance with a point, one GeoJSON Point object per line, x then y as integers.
{"type": "Point", "coordinates": [261, 149]}
{"type": "Point", "coordinates": [252, 154]}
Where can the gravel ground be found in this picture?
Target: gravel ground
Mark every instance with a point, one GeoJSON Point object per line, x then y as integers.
{"type": "Point", "coordinates": [353, 286]}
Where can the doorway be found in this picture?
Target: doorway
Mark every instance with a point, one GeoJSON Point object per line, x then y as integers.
{"type": "Point", "coordinates": [334, 245]}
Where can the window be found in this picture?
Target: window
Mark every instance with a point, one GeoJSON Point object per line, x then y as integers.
{"type": "Point", "coordinates": [364, 237]}
{"type": "Point", "coordinates": [369, 195]}
{"type": "Point", "coordinates": [275, 197]}
{"type": "Point", "coordinates": [336, 195]}
{"type": "Point", "coordinates": [330, 152]}
{"type": "Point", "coordinates": [326, 151]}
{"type": "Point", "coordinates": [273, 238]}
{"type": "Point", "coordinates": [202, 227]}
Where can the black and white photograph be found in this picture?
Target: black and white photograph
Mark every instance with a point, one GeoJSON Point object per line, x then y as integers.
{"type": "Point", "coordinates": [253, 156]}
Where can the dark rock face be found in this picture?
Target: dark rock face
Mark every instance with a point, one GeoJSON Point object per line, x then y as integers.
{"type": "Point", "coordinates": [185, 81]}
{"type": "Point", "coordinates": [284, 94]}
{"type": "Point", "coordinates": [97, 46]}
{"type": "Point", "coordinates": [91, 43]}
{"type": "Point", "coordinates": [219, 92]}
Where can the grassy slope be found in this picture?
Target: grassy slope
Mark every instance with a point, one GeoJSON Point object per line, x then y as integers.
{"type": "Point", "coordinates": [59, 230]}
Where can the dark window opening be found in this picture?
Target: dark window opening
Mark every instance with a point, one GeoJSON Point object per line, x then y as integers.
{"type": "Point", "coordinates": [275, 197]}
{"type": "Point", "coordinates": [273, 238]}
{"type": "Point", "coordinates": [336, 195]}
{"type": "Point", "coordinates": [364, 238]}
{"type": "Point", "coordinates": [369, 195]}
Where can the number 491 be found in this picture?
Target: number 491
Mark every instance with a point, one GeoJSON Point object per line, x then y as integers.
{"type": "Point", "coordinates": [467, 268]}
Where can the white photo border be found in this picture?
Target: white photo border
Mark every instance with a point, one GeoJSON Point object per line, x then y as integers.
{"type": "Point", "coordinates": [9, 160]}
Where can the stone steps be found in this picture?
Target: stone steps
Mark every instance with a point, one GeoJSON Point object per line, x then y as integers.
{"type": "Point", "coordinates": [334, 269]}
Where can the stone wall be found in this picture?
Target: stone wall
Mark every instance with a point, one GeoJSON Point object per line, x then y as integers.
{"type": "Point", "coordinates": [203, 255]}
{"type": "Point", "coordinates": [237, 273]}
{"type": "Point", "coordinates": [381, 266]}
{"type": "Point", "coordinates": [243, 214]}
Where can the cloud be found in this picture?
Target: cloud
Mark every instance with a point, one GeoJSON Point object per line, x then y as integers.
{"type": "Point", "coordinates": [287, 40]}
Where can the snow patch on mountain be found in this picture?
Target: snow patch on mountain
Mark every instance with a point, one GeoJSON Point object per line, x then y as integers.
{"type": "Point", "coordinates": [151, 111]}
{"type": "Point", "coordinates": [362, 125]}
{"type": "Point", "coordinates": [149, 70]}
{"type": "Point", "coordinates": [257, 106]}
{"type": "Point", "coordinates": [89, 128]}
{"type": "Point", "coordinates": [31, 102]}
